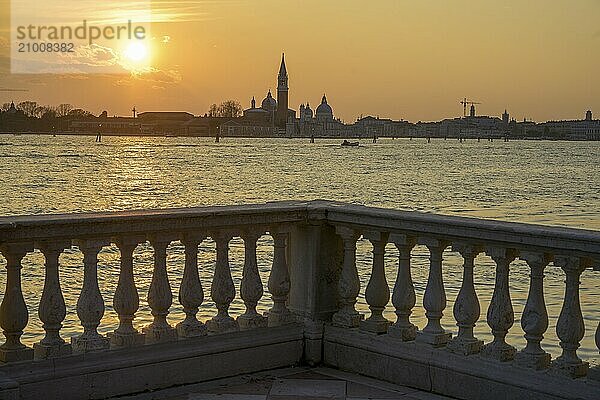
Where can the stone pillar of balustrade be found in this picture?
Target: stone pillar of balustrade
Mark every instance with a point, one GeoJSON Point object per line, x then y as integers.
{"type": "Point", "coordinates": [222, 290]}
{"type": "Point", "coordinates": [315, 259]}
{"type": "Point", "coordinates": [251, 288]}
{"type": "Point", "coordinates": [90, 305]}
{"type": "Point", "coordinates": [377, 293]}
{"type": "Point", "coordinates": [570, 327]}
{"type": "Point", "coordinates": [13, 310]}
{"type": "Point", "coordinates": [160, 296]}
{"type": "Point", "coordinates": [403, 297]}
{"type": "Point", "coordinates": [349, 283]}
{"type": "Point", "coordinates": [534, 320]}
{"type": "Point", "coordinates": [434, 299]}
{"type": "Point", "coordinates": [279, 281]}
{"type": "Point", "coordinates": [500, 314]}
{"type": "Point", "coordinates": [126, 301]}
{"type": "Point", "coordinates": [466, 307]}
{"type": "Point", "coordinates": [191, 294]}
{"type": "Point", "coordinates": [52, 309]}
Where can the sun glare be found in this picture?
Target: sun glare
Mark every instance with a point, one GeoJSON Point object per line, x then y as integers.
{"type": "Point", "coordinates": [136, 52]}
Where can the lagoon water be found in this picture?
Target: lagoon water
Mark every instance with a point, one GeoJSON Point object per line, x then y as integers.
{"type": "Point", "coordinates": [552, 183]}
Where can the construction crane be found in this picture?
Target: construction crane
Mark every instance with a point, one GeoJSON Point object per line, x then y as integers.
{"type": "Point", "coordinates": [466, 103]}
{"type": "Point", "coordinates": [13, 90]}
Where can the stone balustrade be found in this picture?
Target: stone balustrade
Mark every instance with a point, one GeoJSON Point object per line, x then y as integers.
{"type": "Point", "coordinates": [313, 282]}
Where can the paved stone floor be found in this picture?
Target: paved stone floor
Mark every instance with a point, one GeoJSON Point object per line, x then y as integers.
{"type": "Point", "coordinates": [290, 384]}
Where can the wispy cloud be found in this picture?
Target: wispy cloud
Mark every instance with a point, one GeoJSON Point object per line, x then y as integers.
{"type": "Point", "coordinates": [93, 55]}
{"type": "Point", "coordinates": [185, 10]}
{"type": "Point", "coordinates": [156, 77]}
{"type": "Point", "coordinates": [110, 12]}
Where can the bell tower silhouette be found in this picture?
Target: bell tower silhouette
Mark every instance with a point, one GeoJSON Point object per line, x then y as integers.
{"type": "Point", "coordinates": [282, 95]}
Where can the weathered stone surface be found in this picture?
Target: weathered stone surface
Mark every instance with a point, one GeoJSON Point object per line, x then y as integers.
{"type": "Point", "coordinates": [434, 299]}
{"type": "Point", "coordinates": [43, 351]}
{"type": "Point", "coordinates": [535, 316]}
{"type": "Point", "coordinates": [126, 300]}
{"type": "Point", "coordinates": [191, 294]}
{"type": "Point", "coordinates": [251, 288]}
{"type": "Point", "coordinates": [90, 304]}
{"type": "Point", "coordinates": [222, 290]}
{"type": "Point", "coordinates": [404, 297]}
{"type": "Point", "coordinates": [500, 315]}
{"type": "Point", "coordinates": [135, 370]}
{"type": "Point", "coordinates": [466, 307]}
{"type": "Point", "coordinates": [440, 371]}
{"type": "Point", "coordinates": [377, 293]}
{"type": "Point", "coordinates": [349, 282]}
{"type": "Point", "coordinates": [279, 282]}
{"type": "Point", "coordinates": [570, 327]}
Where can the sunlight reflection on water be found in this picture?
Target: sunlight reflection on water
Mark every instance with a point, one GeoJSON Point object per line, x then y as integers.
{"type": "Point", "coordinates": [541, 182]}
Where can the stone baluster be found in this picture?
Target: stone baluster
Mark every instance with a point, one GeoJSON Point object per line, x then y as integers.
{"type": "Point", "coordinates": [251, 288]}
{"type": "Point", "coordinates": [570, 327]}
{"type": "Point", "coordinates": [534, 320]}
{"type": "Point", "coordinates": [126, 300]}
{"type": "Point", "coordinates": [349, 284]}
{"type": "Point", "coordinates": [222, 290]}
{"type": "Point", "coordinates": [500, 314]}
{"type": "Point", "coordinates": [191, 294]}
{"type": "Point", "coordinates": [160, 296]}
{"type": "Point", "coordinates": [594, 372]}
{"type": "Point", "coordinates": [377, 292]}
{"type": "Point", "coordinates": [403, 297]}
{"type": "Point", "coordinates": [466, 308]}
{"type": "Point", "coordinates": [90, 305]}
{"type": "Point", "coordinates": [279, 282]}
{"type": "Point", "coordinates": [434, 299]}
{"type": "Point", "coordinates": [13, 310]}
{"type": "Point", "coordinates": [52, 310]}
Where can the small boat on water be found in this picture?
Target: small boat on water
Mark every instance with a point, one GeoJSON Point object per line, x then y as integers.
{"type": "Point", "coordinates": [350, 144]}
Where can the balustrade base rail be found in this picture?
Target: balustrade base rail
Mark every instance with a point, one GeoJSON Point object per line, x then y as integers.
{"type": "Point", "coordinates": [106, 374]}
{"type": "Point", "coordinates": [439, 371]}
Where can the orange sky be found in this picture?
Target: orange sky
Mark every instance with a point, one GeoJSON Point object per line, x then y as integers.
{"type": "Point", "coordinates": [392, 58]}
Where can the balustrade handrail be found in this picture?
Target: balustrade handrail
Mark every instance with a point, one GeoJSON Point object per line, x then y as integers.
{"type": "Point", "coordinates": [116, 223]}
{"type": "Point", "coordinates": [574, 241]}
{"type": "Point", "coordinates": [517, 235]}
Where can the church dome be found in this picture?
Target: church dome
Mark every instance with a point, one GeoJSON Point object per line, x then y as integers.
{"type": "Point", "coordinates": [308, 111]}
{"type": "Point", "coordinates": [253, 110]}
{"type": "Point", "coordinates": [324, 109]}
{"type": "Point", "coordinates": [269, 103]}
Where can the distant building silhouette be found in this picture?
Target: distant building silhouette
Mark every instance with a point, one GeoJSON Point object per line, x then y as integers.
{"type": "Point", "coordinates": [505, 117]}
{"type": "Point", "coordinates": [588, 115]}
{"type": "Point", "coordinates": [281, 117]}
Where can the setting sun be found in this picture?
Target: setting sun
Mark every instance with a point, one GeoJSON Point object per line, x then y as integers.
{"type": "Point", "coordinates": [136, 52]}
